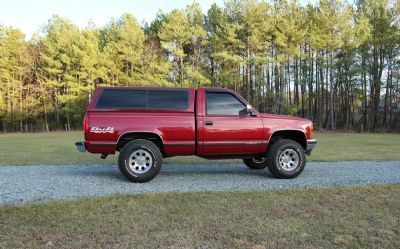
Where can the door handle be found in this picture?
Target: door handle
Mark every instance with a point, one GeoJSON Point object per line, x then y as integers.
{"type": "Point", "coordinates": [208, 122]}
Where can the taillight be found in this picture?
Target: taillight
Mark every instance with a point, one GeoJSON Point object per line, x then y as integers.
{"type": "Point", "coordinates": [86, 123]}
{"type": "Point", "coordinates": [311, 130]}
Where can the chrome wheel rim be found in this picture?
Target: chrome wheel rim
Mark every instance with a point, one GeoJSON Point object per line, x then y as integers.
{"type": "Point", "coordinates": [140, 161]}
{"type": "Point", "coordinates": [289, 159]}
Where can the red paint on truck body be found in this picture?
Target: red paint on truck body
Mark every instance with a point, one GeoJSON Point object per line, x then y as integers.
{"type": "Point", "coordinates": [183, 132]}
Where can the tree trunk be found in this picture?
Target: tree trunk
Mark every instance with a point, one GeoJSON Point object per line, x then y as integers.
{"type": "Point", "coordinates": [4, 126]}
{"type": "Point", "coordinates": [331, 92]}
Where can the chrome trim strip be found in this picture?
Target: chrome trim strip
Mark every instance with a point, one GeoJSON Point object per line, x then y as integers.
{"type": "Point", "coordinates": [179, 143]}
{"type": "Point", "coordinates": [234, 143]}
{"type": "Point", "coordinates": [102, 143]}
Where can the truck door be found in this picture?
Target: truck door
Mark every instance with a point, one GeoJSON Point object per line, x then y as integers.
{"type": "Point", "coordinates": [227, 126]}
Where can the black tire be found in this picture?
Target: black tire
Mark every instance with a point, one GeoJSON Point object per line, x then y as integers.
{"type": "Point", "coordinates": [255, 163]}
{"type": "Point", "coordinates": [150, 161]}
{"type": "Point", "coordinates": [286, 148]}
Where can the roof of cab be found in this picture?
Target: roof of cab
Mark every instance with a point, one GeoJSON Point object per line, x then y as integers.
{"type": "Point", "coordinates": [156, 87]}
{"type": "Point", "coordinates": [143, 87]}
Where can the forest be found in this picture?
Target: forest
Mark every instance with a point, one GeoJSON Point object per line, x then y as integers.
{"type": "Point", "coordinates": [334, 62]}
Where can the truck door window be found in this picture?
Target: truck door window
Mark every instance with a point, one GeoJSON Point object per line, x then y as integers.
{"type": "Point", "coordinates": [224, 104]}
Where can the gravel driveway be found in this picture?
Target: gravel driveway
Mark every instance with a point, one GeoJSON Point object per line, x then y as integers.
{"type": "Point", "coordinates": [24, 184]}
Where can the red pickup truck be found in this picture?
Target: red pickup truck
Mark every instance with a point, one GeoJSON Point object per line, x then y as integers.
{"type": "Point", "coordinates": [147, 124]}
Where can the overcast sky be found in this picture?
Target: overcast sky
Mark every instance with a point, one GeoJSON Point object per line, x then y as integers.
{"type": "Point", "coordinates": [28, 16]}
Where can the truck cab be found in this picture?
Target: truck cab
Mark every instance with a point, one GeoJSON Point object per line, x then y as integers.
{"type": "Point", "coordinates": [154, 123]}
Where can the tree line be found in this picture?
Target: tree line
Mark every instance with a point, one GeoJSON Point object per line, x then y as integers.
{"type": "Point", "coordinates": [333, 62]}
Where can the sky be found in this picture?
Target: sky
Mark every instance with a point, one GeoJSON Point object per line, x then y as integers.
{"type": "Point", "coordinates": [28, 16]}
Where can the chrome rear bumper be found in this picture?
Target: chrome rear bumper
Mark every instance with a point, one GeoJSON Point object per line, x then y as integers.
{"type": "Point", "coordinates": [80, 146]}
{"type": "Point", "coordinates": [311, 143]}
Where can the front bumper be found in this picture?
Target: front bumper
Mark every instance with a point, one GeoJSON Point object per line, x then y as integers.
{"type": "Point", "coordinates": [80, 146]}
{"type": "Point", "coordinates": [311, 143]}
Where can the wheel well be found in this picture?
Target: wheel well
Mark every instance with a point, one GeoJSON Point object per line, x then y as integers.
{"type": "Point", "coordinates": [127, 137]}
{"type": "Point", "coordinates": [294, 135]}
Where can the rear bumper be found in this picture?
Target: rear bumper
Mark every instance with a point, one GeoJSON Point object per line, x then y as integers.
{"type": "Point", "coordinates": [96, 147]}
{"type": "Point", "coordinates": [311, 143]}
{"type": "Point", "coordinates": [80, 146]}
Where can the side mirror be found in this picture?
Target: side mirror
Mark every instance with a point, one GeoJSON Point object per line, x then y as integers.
{"type": "Point", "coordinates": [250, 111]}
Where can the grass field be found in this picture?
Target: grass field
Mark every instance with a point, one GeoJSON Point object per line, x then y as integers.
{"type": "Point", "coordinates": [58, 148]}
{"type": "Point", "coordinates": [352, 217]}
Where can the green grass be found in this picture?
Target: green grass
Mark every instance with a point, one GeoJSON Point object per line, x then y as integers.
{"type": "Point", "coordinates": [333, 146]}
{"type": "Point", "coordinates": [351, 217]}
{"type": "Point", "coordinates": [44, 148]}
{"type": "Point", "coordinates": [58, 148]}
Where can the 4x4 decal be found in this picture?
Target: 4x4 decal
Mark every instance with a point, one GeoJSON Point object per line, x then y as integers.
{"type": "Point", "coordinates": [102, 130]}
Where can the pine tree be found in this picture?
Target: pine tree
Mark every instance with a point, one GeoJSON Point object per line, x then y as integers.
{"type": "Point", "coordinates": [195, 49]}
{"type": "Point", "coordinates": [381, 17]}
{"type": "Point", "coordinates": [14, 69]}
{"type": "Point", "coordinates": [333, 62]}
{"type": "Point", "coordinates": [174, 35]}
{"type": "Point", "coordinates": [125, 46]}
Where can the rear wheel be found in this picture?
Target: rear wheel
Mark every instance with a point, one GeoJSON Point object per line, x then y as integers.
{"type": "Point", "coordinates": [256, 163]}
{"type": "Point", "coordinates": [286, 159]}
{"type": "Point", "coordinates": [140, 160]}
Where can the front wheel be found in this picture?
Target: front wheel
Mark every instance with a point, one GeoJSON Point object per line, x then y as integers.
{"type": "Point", "coordinates": [256, 163]}
{"type": "Point", "coordinates": [286, 159]}
{"type": "Point", "coordinates": [140, 160]}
